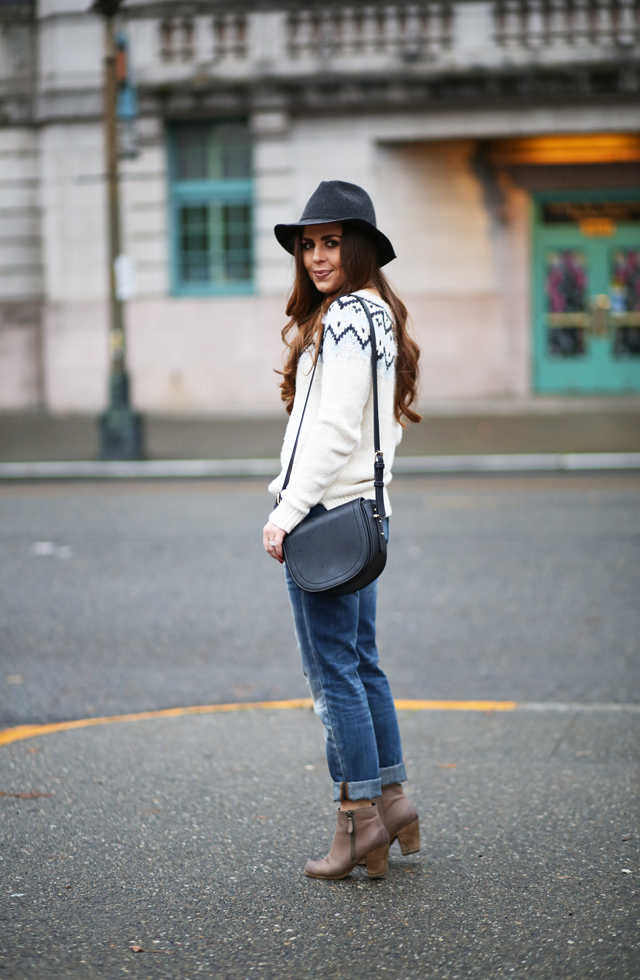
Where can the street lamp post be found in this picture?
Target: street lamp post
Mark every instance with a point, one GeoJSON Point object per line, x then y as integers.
{"type": "Point", "coordinates": [120, 427]}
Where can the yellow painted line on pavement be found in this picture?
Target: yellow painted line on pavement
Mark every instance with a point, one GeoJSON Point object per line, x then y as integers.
{"type": "Point", "coordinates": [456, 705]}
{"type": "Point", "coordinates": [32, 731]}
{"type": "Point", "coordinates": [22, 732]}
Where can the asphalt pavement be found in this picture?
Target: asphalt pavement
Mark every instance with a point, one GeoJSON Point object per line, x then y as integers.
{"type": "Point", "coordinates": [184, 838]}
{"type": "Point", "coordinates": [135, 597]}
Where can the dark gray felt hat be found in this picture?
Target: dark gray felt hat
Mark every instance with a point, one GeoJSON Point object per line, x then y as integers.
{"type": "Point", "coordinates": [336, 200]}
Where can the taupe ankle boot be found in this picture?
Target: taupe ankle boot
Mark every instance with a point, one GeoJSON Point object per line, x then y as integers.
{"type": "Point", "coordinates": [360, 837]}
{"type": "Point", "coordinates": [400, 818]}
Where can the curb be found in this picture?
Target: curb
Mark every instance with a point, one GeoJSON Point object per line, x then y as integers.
{"type": "Point", "coordinates": [518, 463]}
{"type": "Point", "coordinates": [233, 468]}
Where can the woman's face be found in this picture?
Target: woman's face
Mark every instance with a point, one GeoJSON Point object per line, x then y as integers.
{"type": "Point", "coordinates": [321, 256]}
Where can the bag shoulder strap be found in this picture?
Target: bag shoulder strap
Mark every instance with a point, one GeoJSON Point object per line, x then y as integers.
{"type": "Point", "coordinates": [378, 460]}
{"type": "Point", "coordinates": [306, 401]}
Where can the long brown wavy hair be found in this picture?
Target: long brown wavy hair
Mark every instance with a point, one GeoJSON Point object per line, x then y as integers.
{"type": "Point", "coordinates": [307, 307]}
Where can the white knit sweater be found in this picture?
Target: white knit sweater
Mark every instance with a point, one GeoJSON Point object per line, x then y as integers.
{"type": "Point", "coordinates": [334, 458]}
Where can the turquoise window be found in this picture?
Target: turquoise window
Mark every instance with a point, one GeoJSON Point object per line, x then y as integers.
{"type": "Point", "coordinates": [211, 209]}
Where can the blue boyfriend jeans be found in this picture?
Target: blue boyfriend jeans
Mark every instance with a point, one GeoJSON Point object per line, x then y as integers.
{"type": "Point", "coordinates": [351, 694]}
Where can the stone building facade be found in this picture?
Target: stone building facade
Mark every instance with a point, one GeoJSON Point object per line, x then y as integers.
{"type": "Point", "coordinates": [499, 140]}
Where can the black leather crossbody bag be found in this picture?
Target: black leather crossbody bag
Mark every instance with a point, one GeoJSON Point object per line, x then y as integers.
{"type": "Point", "coordinates": [341, 550]}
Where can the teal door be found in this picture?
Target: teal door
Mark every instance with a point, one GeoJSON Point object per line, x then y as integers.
{"type": "Point", "coordinates": [587, 293]}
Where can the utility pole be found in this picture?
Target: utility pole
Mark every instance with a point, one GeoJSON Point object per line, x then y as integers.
{"type": "Point", "coordinates": [120, 427]}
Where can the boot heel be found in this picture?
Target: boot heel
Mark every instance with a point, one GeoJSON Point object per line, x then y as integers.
{"type": "Point", "coordinates": [409, 837]}
{"type": "Point", "coordinates": [378, 862]}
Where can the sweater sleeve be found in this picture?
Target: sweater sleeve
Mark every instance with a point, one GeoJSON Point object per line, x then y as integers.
{"type": "Point", "coordinates": [337, 429]}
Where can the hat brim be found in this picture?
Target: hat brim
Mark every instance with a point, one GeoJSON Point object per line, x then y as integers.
{"type": "Point", "coordinates": [286, 235]}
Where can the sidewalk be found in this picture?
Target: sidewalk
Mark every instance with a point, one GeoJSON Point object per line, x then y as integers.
{"type": "Point", "coordinates": [175, 847]}
{"type": "Point", "coordinates": [534, 426]}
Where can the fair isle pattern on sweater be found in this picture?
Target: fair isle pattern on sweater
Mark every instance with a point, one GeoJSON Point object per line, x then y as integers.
{"type": "Point", "coordinates": [334, 460]}
{"type": "Point", "coordinates": [348, 325]}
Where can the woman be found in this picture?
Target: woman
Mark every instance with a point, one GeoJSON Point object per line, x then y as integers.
{"type": "Point", "coordinates": [338, 253]}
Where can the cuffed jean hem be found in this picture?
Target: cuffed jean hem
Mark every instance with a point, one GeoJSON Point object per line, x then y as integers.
{"type": "Point", "coordinates": [366, 789]}
{"type": "Point", "coordinates": [393, 774]}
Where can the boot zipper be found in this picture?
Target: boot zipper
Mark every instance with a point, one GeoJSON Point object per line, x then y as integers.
{"type": "Point", "coordinates": [351, 829]}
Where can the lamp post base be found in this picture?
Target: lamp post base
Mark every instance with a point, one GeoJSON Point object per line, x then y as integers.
{"type": "Point", "coordinates": [120, 427]}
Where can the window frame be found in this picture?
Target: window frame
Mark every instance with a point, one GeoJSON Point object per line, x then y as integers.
{"type": "Point", "coordinates": [204, 193]}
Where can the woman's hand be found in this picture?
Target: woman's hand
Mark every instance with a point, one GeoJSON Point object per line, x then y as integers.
{"type": "Point", "coordinates": [272, 538]}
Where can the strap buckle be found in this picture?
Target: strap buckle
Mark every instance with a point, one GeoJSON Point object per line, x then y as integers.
{"type": "Point", "coordinates": [378, 469]}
